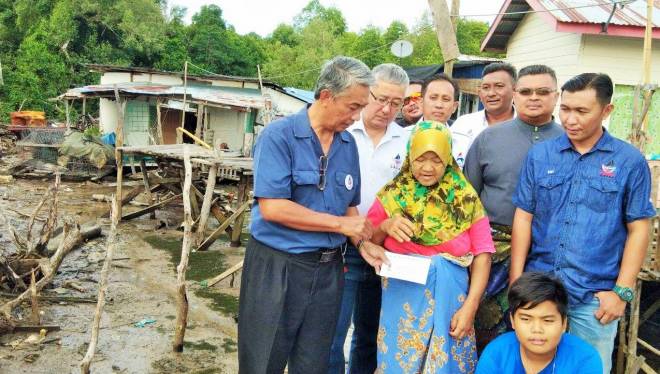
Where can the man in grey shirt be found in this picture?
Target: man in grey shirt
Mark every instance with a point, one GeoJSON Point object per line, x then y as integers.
{"type": "Point", "coordinates": [493, 165]}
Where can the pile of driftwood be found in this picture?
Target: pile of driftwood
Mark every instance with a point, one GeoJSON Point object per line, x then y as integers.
{"type": "Point", "coordinates": [31, 267]}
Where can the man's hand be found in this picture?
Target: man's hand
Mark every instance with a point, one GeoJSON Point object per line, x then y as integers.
{"type": "Point", "coordinates": [611, 307]}
{"type": "Point", "coordinates": [462, 322]}
{"type": "Point", "coordinates": [401, 229]}
{"type": "Point", "coordinates": [373, 254]}
{"type": "Point", "coordinates": [357, 227]}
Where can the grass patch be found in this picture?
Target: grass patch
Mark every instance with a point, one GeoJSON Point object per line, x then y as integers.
{"type": "Point", "coordinates": [201, 346]}
{"type": "Point", "coordinates": [220, 302]}
{"type": "Point", "coordinates": [170, 317]}
{"type": "Point", "coordinates": [208, 371]}
{"type": "Point", "coordinates": [229, 345]}
{"type": "Point", "coordinates": [201, 265]}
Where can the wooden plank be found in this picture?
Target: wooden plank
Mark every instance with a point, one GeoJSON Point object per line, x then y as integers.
{"type": "Point", "coordinates": [217, 213]}
{"type": "Point", "coordinates": [149, 209]}
{"type": "Point", "coordinates": [213, 281]}
{"type": "Point", "coordinates": [216, 234]}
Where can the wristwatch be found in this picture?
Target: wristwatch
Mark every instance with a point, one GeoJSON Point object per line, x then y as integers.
{"type": "Point", "coordinates": [625, 293]}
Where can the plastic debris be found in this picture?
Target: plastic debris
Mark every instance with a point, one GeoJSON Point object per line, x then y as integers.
{"type": "Point", "coordinates": [144, 322]}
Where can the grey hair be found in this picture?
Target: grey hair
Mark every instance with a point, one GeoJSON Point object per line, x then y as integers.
{"type": "Point", "coordinates": [391, 73]}
{"type": "Point", "coordinates": [340, 73]}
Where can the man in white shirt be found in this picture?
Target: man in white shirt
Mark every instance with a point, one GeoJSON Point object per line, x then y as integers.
{"type": "Point", "coordinates": [439, 100]}
{"type": "Point", "coordinates": [381, 144]}
{"type": "Point", "coordinates": [496, 94]}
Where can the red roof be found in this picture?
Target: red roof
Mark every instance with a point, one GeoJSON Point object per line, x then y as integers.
{"type": "Point", "coordinates": [584, 17]}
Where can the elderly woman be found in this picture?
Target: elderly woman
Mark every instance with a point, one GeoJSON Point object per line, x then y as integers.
{"type": "Point", "coordinates": [430, 209]}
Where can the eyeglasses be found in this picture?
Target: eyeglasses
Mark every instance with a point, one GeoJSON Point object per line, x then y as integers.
{"type": "Point", "coordinates": [414, 97]}
{"type": "Point", "coordinates": [323, 168]}
{"type": "Point", "coordinates": [542, 91]}
{"type": "Point", "coordinates": [382, 101]}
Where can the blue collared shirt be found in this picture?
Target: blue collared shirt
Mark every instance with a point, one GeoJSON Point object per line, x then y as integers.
{"type": "Point", "coordinates": [581, 205]}
{"type": "Point", "coordinates": [287, 166]}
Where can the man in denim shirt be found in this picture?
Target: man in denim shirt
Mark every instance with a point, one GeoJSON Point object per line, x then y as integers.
{"type": "Point", "coordinates": [583, 205]}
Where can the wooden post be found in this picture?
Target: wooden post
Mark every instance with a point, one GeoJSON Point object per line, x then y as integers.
{"type": "Point", "coordinates": [200, 120]}
{"type": "Point", "coordinates": [159, 125]}
{"type": "Point", "coordinates": [147, 188]}
{"type": "Point", "coordinates": [622, 349]}
{"type": "Point", "coordinates": [84, 112]}
{"type": "Point", "coordinates": [119, 142]}
{"type": "Point", "coordinates": [446, 33]}
{"type": "Point", "coordinates": [242, 197]}
{"type": "Point", "coordinates": [206, 204]}
{"type": "Point", "coordinates": [103, 286]}
{"type": "Point", "coordinates": [179, 136]}
{"type": "Point", "coordinates": [66, 112]}
{"type": "Point", "coordinates": [35, 317]}
{"type": "Point", "coordinates": [646, 57]}
{"type": "Point", "coordinates": [181, 298]}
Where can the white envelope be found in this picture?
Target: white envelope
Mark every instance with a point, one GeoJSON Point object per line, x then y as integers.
{"type": "Point", "coordinates": [405, 267]}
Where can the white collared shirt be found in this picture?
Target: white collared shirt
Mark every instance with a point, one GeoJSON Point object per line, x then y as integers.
{"type": "Point", "coordinates": [378, 164]}
{"type": "Point", "coordinates": [463, 132]}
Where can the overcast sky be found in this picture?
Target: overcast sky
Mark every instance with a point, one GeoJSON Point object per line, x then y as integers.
{"type": "Point", "coordinates": [262, 16]}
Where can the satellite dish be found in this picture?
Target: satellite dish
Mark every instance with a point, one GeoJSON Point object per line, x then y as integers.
{"type": "Point", "coordinates": [401, 48]}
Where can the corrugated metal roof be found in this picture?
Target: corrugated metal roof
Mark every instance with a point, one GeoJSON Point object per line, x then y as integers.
{"type": "Point", "coordinates": [598, 11]}
{"type": "Point", "coordinates": [229, 96]}
{"type": "Point", "coordinates": [304, 95]}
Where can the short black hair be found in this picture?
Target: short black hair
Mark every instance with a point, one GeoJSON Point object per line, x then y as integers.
{"type": "Point", "coordinates": [440, 77]}
{"type": "Point", "coordinates": [416, 81]}
{"type": "Point", "coordinates": [537, 70]}
{"type": "Point", "coordinates": [599, 82]}
{"type": "Point", "coordinates": [501, 66]}
{"type": "Point", "coordinates": [533, 288]}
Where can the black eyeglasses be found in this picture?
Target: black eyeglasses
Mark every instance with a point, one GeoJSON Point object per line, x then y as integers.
{"type": "Point", "coordinates": [543, 91]}
{"type": "Point", "coordinates": [323, 167]}
{"type": "Point", "coordinates": [383, 101]}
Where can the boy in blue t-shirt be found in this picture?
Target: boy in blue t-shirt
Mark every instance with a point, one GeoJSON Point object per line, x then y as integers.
{"type": "Point", "coordinates": [540, 343]}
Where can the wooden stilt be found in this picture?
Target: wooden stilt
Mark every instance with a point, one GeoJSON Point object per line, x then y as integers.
{"type": "Point", "coordinates": [103, 288]}
{"type": "Point", "coordinates": [119, 142]}
{"type": "Point", "coordinates": [206, 204]}
{"type": "Point", "coordinates": [181, 298]}
{"type": "Point", "coordinates": [238, 226]}
{"type": "Point", "coordinates": [145, 180]}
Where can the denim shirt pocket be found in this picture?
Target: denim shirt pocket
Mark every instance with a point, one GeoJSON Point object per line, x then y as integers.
{"type": "Point", "coordinates": [345, 194]}
{"type": "Point", "coordinates": [548, 193]}
{"type": "Point", "coordinates": [603, 194]}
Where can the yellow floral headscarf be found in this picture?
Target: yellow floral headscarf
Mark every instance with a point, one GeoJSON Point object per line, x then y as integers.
{"type": "Point", "coordinates": [440, 212]}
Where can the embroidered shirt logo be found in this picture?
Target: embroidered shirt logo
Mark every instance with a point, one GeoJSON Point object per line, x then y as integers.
{"type": "Point", "coordinates": [551, 171]}
{"type": "Point", "coordinates": [608, 170]}
{"type": "Point", "coordinates": [348, 182]}
{"type": "Point", "coordinates": [396, 164]}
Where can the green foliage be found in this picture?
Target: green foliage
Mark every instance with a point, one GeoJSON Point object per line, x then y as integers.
{"type": "Point", "coordinates": [44, 45]}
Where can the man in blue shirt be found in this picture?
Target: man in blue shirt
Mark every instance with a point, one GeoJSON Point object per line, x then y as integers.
{"type": "Point", "coordinates": [540, 343]}
{"type": "Point", "coordinates": [307, 187]}
{"type": "Point", "coordinates": [583, 205]}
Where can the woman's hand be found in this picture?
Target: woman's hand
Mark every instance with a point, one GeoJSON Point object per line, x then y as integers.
{"type": "Point", "coordinates": [400, 228]}
{"type": "Point", "coordinates": [373, 254]}
{"type": "Point", "coordinates": [462, 322]}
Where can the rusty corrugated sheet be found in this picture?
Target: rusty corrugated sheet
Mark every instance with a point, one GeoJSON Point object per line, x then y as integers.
{"type": "Point", "coordinates": [230, 96]}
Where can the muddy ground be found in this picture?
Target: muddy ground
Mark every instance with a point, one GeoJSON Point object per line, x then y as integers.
{"type": "Point", "coordinates": [141, 287]}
